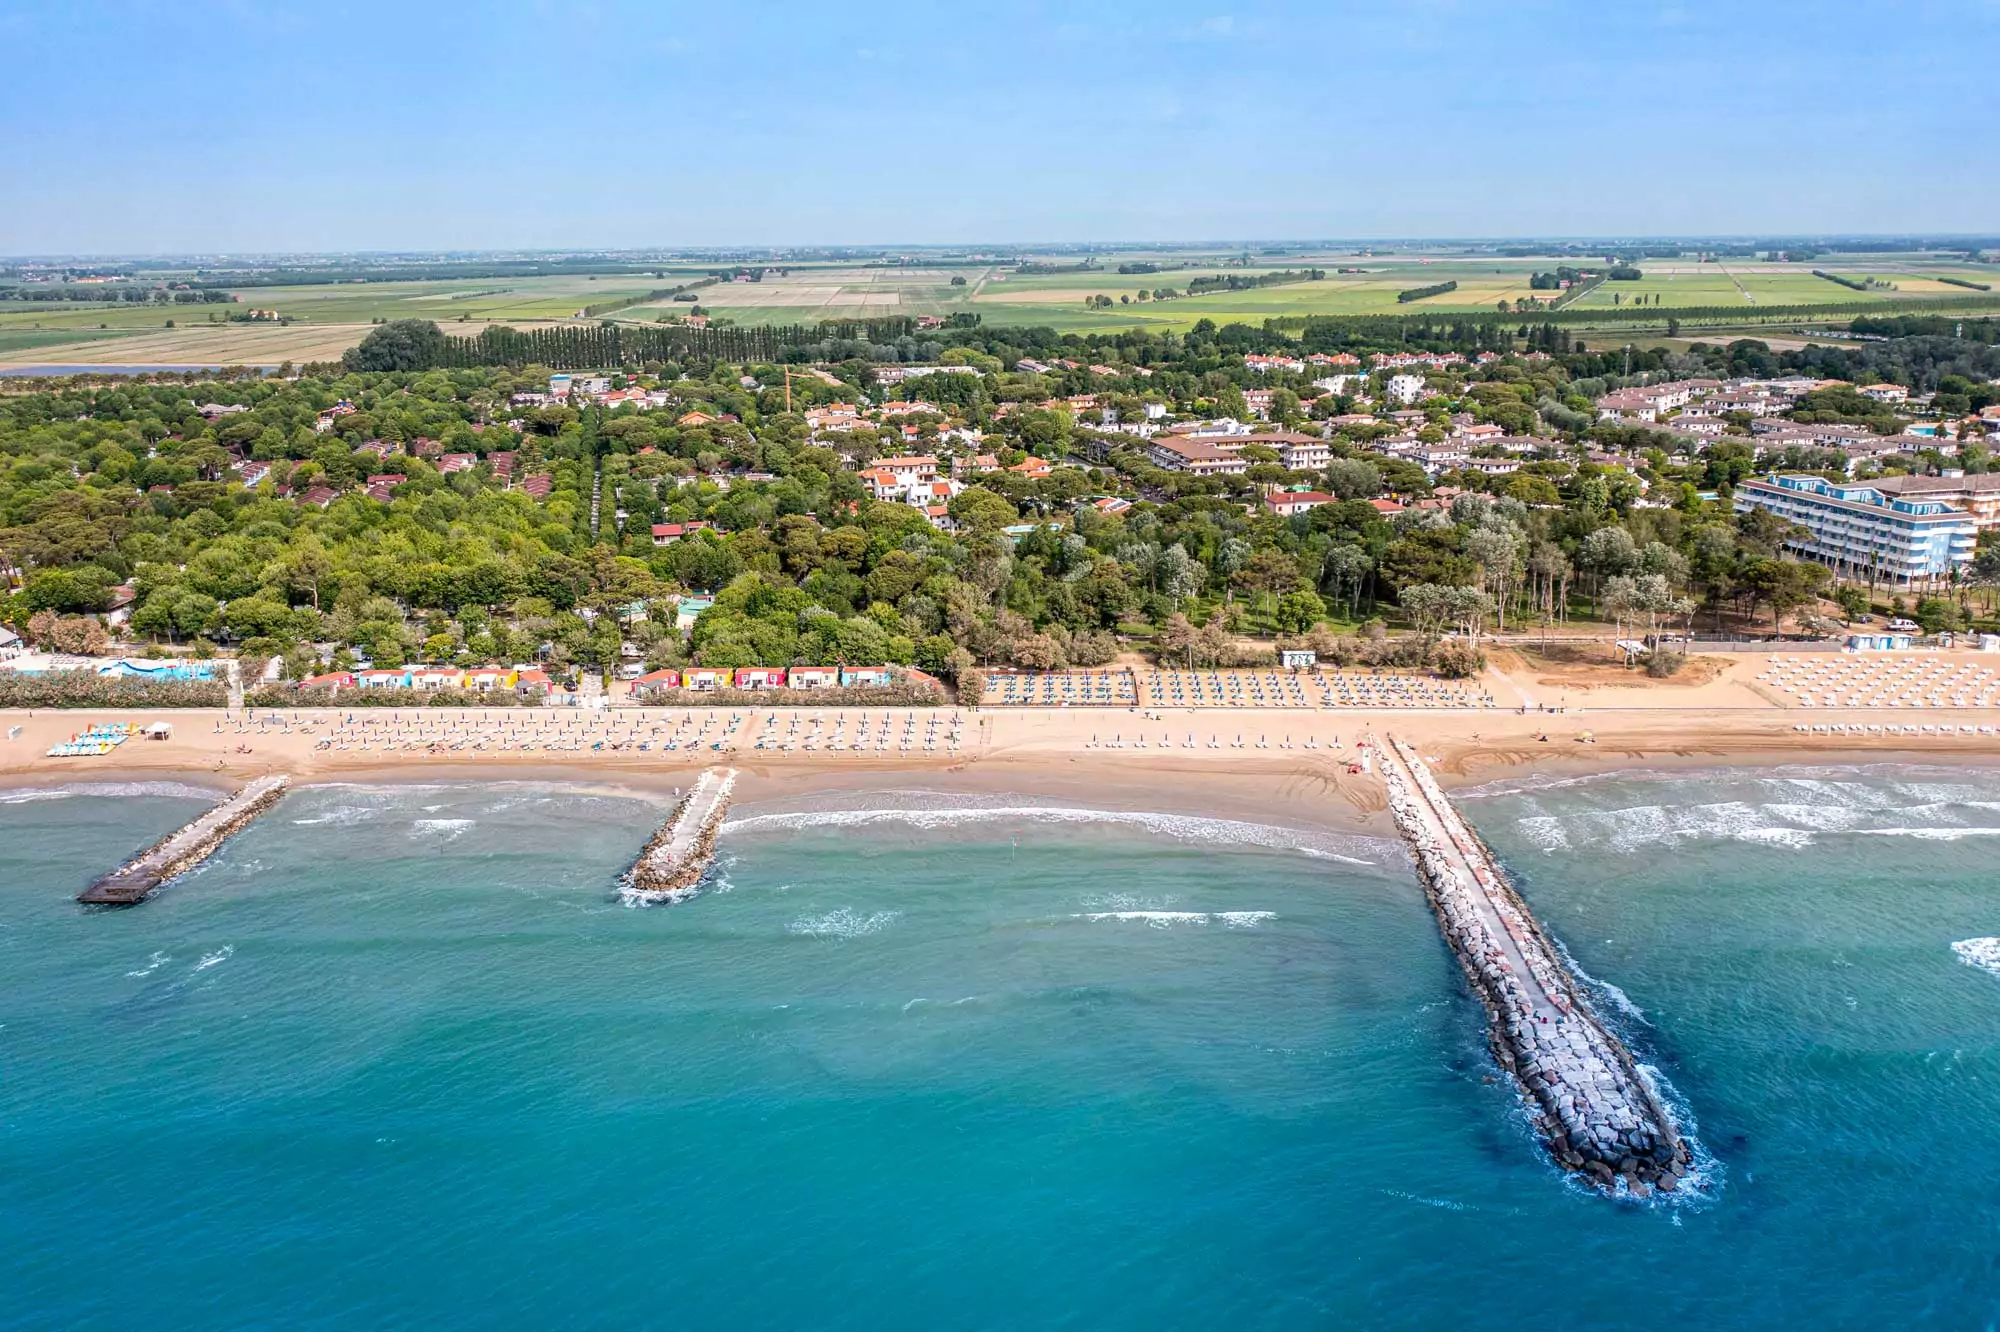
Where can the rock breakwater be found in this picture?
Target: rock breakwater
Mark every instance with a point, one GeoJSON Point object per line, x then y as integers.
{"type": "Point", "coordinates": [1594, 1109]}
{"type": "Point", "coordinates": [672, 863]}
{"type": "Point", "coordinates": [182, 851]}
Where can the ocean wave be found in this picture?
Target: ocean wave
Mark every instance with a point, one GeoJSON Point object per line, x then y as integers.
{"type": "Point", "coordinates": [1182, 827]}
{"type": "Point", "coordinates": [1931, 834]}
{"type": "Point", "coordinates": [1790, 823]}
{"type": "Point", "coordinates": [1160, 920]}
{"type": "Point", "coordinates": [153, 964]}
{"type": "Point", "coordinates": [449, 830]}
{"type": "Point", "coordinates": [843, 923]}
{"type": "Point", "coordinates": [1981, 953]}
{"type": "Point", "coordinates": [216, 958]}
{"type": "Point", "coordinates": [340, 815]}
{"type": "Point", "coordinates": [27, 795]}
{"type": "Point", "coordinates": [638, 897]}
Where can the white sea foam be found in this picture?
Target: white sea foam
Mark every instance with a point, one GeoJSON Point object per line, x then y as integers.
{"type": "Point", "coordinates": [1445, 1204]}
{"type": "Point", "coordinates": [637, 897]}
{"type": "Point", "coordinates": [153, 964]}
{"type": "Point", "coordinates": [1788, 824]}
{"type": "Point", "coordinates": [340, 815]}
{"type": "Point", "coordinates": [216, 958]}
{"type": "Point", "coordinates": [1932, 834]}
{"type": "Point", "coordinates": [27, 795]}
{"type": "Point", "coordinates": [1183, 827]}
{"type": "Point", "coordinates": [449, 830]}
{"type": "Point", "coordinates": [1160, 920]}
{"type": "Point", "coordinates": [843, 923]}
{"type": "Point", "coordinates": [1981, 953]}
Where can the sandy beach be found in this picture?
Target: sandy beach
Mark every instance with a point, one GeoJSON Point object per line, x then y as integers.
{"type": "Point", "coordinates": [1284, 765]}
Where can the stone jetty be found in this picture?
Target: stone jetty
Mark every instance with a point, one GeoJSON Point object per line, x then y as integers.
{"type": "Point", "coordinates": [176, 855]}
{"type": "Point", "coordinates": [675, 859]}
{"type": "Point", "coordinates": [1597, 1113]}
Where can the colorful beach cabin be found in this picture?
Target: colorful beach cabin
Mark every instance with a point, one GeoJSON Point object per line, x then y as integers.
{"type": "Point", "coordinates": [814, 677]}
{"type": "Point", "coordinates": [704, 677]}
{"type": "Point", "coordinates": [866, 676]}
{"type": "Point", "coordinates": [486, 679]}
{"type": "Point", "coordinates": [654, 682]}
{"type": "Point", "coordinates": [1880, 642]}
{"type": "Point", "coordinates": [436, 677]}
{"type": "Point", "coordinates": [532, 680]}
{"type": "Point", "coordinates": [332, 681]}
{"type": "Point", "coordinates": [760, 677]}
{"type": "Point", "coordinates": [382, 678]}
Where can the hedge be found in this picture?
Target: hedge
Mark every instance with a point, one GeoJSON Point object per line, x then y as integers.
{"type": "Point", "coordinates": [87, 689]}
{"type": "Point", "coordinates": [913, 694]}
{"type": "Point", "coordinates": [289, 696]}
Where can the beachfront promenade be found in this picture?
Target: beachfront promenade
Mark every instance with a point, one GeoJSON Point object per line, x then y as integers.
{"type": "Point", "coordinates": [1596, 1112]}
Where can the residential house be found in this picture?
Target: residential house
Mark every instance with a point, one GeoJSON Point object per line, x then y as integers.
{"type": "Point", "coordinates": [333, 681]}
{"type": "Point", "coordinates": [1285, 503]}
{"type": "Point", "coordinates": [1885, 392]}
{"type": "Point", "coordinates": [665, 534]}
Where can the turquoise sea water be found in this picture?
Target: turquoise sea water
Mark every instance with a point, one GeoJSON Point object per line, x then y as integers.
{"type": "Point", "coordinates": [399, 1058]}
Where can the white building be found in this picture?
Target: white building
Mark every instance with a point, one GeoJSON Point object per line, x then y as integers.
{"type": "Point", "coordinates": [1858, 528]}
{"type": "Point", "coordinates": [1405, 388]}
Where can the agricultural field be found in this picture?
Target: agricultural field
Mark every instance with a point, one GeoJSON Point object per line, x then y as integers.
{"type": "Point", "coordinates": [1679, 282]}
{"type": "Point", "coordinates": [27, 339]}
{"type": "Point", "coordinates": [199, 345]}
{"type": "Point", "coordinates": [808, 293]}
{"type": "Point", "coordinates": [330, 317]}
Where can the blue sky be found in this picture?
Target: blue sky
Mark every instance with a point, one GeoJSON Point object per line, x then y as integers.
{"type": "Point", "coordinates": [240, 125]}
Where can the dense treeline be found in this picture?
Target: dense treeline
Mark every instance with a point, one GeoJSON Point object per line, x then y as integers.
{"type": "Point", "coordinates": [1423, 293]}
{"type": "Point", "coordinates": [1201, 286]}
{"type": "Point", "coordinates": [417, 344]}
{"type": "Point", "coordinates": [111, 294]}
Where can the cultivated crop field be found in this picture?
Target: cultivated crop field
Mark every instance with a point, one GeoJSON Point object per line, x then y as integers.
{"type": "Point", "coordinates": [196, 345]}
{"type": "Point", "coordinates": [330, 317]}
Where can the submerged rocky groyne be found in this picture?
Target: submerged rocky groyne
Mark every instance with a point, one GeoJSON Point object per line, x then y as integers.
{"type": "Point", "coordinates": [1595, 1110]}
{"type": "Point", "coordinates": [177, 854]}
{"type": "Point", "coordinates": [673, 862]}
